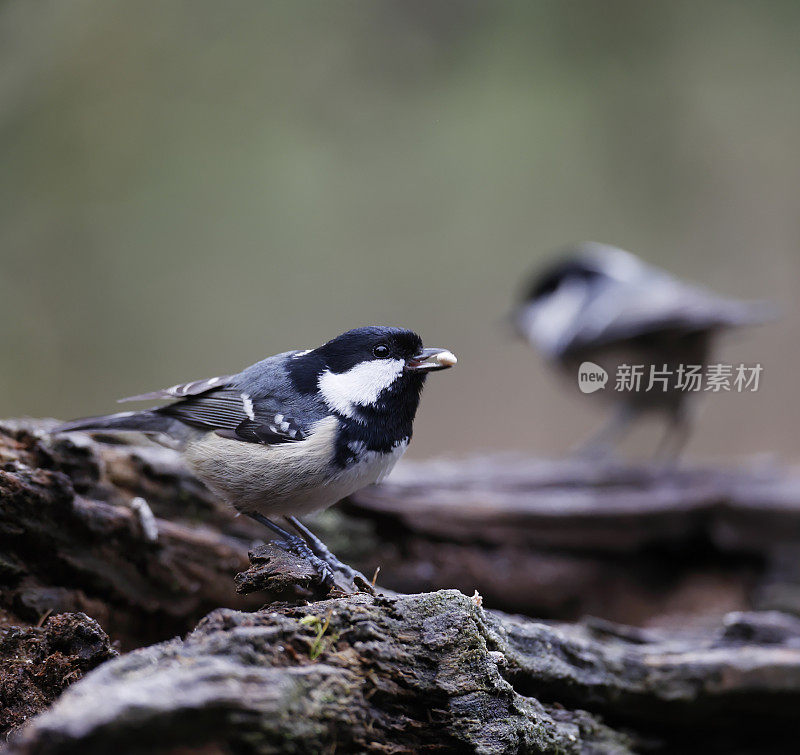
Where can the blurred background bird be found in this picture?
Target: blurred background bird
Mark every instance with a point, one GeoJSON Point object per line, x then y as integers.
{"type": "Point", "coordinates": [601, 305]}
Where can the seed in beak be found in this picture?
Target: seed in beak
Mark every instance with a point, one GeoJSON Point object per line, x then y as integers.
{"type": "Point", "coordinates": [446, 358]}
{"type": "Point", "coordinates": [431, 359]}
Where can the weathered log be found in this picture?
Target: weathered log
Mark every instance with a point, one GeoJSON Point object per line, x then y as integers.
{"type": "Point", "coordinates": [643, 545]}
{"type": "Point", "coordinates": [636, 545]}
{"type": "Point", "coordinates": [398, 673]}
{"type": "Point", "coordinates": [433, 672]}
{"type": "Point", "coordinates": [38, 663]}
{"type": "Point", "coordinates": [74, 536]}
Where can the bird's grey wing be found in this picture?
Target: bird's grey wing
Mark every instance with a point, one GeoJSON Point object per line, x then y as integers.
{"type": "Point", "coordinates": [182, 390]}
{"type": "Point", "coordinates": [622, 311]}
{"type": "Point", "coordinates": [233, 414]}
{"type": "Point", "coordinates": [253, 406]}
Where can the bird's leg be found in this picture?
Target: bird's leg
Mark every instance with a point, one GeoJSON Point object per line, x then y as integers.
{"type": "Point", "coordinates": [322, 550]}
{"type": "Point", "coordinates": [601, 444]}
{"type": "Point", "coordinates": [675, 437]}
{"type": "Point", "coordinates": [298, 546]}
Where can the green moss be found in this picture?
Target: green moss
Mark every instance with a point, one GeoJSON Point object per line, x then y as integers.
{"type": "Point", "coordinates": [320, 642]}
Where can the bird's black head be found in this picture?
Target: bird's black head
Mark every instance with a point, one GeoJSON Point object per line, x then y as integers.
{"type": "Point", "coordinates": [369, 371]}
{"type": "Point", "coordinates": [556, 276]}
{"type": "Point", "coordinates": [579, 265]}
{"type": "Point", "coordinates": [372, 378]}
{"type": "Point", "coordinates": [373, 343]}
{"type": "Point", "coordinates": [555, 295]}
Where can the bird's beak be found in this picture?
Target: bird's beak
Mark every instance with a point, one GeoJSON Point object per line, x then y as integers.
{"type": "Point", "coordinates": [429, 360]}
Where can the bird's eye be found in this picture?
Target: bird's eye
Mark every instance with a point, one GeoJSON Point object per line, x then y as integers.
{"type": "Point", "coordinates": [381, 351]}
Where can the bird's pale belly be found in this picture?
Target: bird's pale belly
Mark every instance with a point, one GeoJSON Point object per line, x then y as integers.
{"type": "Point", "coordinates": [289, 479]}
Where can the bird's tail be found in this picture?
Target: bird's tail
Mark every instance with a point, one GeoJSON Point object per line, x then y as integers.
{"type": "Point", "coordinates": [143, 422]}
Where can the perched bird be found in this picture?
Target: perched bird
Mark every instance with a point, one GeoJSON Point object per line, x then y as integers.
{"type": "Point", "coordinates": [297, 431]}
{"type": "Point", "coordinates": [599, 304]}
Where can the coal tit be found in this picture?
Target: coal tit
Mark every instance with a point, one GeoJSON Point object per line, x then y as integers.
{"type": "Point", "coordinates": [297, 431]}
{"type": "Point", "coordinates": [596, 303]}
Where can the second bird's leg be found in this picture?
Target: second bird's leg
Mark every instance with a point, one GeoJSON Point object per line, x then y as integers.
{"type": "Point", "coordinates": [322, 550]}
{"type": "Point", "coordinates": [601, 445]}
{"type": "Point", "coordinates": [298, 546]}
{"type": "Point", "coordinates": [676, 436]}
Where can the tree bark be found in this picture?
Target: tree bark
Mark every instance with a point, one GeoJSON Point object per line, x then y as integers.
{"type": "Point", "coordinates": [433, 673]}
{"type": "Point", "coordinates": [642, 545]}
{"type": "Point", "coordinates": [121, 532]}
{"type": "Point", "coordinates": [38, 663]}
{"type": "Point", "coordinates": [71, 540]}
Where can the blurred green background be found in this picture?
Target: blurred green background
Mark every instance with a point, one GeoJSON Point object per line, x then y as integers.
{"type": "Point", "coordinates": [186, 187]}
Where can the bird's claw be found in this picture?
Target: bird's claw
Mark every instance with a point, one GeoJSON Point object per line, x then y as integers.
{"type": "Point", "coordinates": [324, 571]}
{"type": "Point", "coordinates": [359, 581]}
{"type": "Point", "coordinates": [353, 575]}
{"type": "Point", "coordinates": [300, 548]}
{"type": "Point", "coordinates": [326, 564]}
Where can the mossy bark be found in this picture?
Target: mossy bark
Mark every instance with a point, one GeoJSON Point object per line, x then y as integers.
{"type": "Point", "coordinates": [323, 671]}
{"type": "Point", "coordinates": [433, 673]}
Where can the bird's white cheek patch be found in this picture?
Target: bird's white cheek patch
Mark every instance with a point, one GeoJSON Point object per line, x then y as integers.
{"type": "Point", "coordinates": [547, 322]}
{"type": "Point", "coordinates": [360, 385]}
